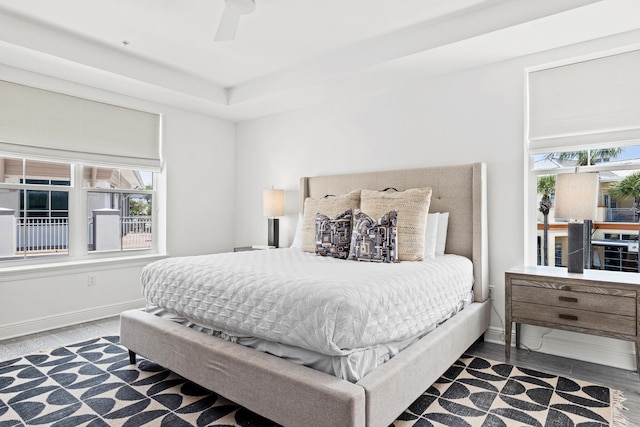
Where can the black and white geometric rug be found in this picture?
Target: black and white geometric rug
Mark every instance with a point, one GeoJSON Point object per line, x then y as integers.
{"type": "Point", "coordinates": [92, 384]}
{"type": "Point", "coordinates": [485, 393]}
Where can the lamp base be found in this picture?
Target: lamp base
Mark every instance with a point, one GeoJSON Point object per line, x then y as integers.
{"type": "Point", "coordinates": [575, 263]}
{"type": "Point", "coordinates": [274, 232]}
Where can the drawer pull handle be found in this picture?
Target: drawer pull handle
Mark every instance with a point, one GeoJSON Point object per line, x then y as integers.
{"type": "Point", "coordinates": [565, 288]}
{"type": "Point", "coordinates": [568, 299]}
{"type": "Point", "coordinates": [568, 317]}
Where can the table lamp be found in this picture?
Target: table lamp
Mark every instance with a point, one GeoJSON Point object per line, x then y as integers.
{"type": "Point", "coordinates": [576, 201]}
{"type": "Point", "coordinates": [272, 207]}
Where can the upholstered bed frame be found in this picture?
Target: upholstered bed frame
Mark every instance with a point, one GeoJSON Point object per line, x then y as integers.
{"type": "Point", "coordinates": [294, 395]}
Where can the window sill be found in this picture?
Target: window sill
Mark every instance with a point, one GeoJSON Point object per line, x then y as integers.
{"type": "Point", "coordinates": [65, 268]}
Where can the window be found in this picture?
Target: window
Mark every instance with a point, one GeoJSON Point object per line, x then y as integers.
{"type": "Point", "coordinates": [34, 202]}
{"type": "Point", "coordinates": [119, 209]}
{"type": "Point", "coordinates": [65, 161]}
{"type": "Point", "coordinates": [614, 234]}
{"type": "Point", "coordinates": [37, 203]}
{"type": "Point", "coordinates": [583, 115]}
{"type": "Point", "coordinates": [43, 213]}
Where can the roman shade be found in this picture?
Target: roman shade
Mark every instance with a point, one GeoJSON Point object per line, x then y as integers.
{"type": "Point", "coordinates": [37, 122]}
{"type": "Point", "coordinates": [589, 103]}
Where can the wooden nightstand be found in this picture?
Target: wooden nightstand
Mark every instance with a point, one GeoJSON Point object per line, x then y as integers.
{"type": "Point", "coordinates": [597, 302]}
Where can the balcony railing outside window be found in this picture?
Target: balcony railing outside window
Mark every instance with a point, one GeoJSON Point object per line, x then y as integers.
{"type": "Point", "coordinates": [135, 232]}
{"type": "Point", "coordinates": [48, 236]}
{"type": "Point", "coordinates": [621, 215]}
{"type": "Point", "coordinates": [42, 235]}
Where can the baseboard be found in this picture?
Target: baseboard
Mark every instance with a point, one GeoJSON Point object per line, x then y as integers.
{"type": "Point", "coordinates": [495, 335]}
{"type": "Point", "coordinates": [565, 346]}
{"type": "Point", "coordinates": [18, 329]}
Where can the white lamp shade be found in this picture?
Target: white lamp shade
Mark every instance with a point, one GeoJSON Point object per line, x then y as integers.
{"type": "Point", "coordinates": [273, 203]}
{"type": "Point", "coordinates": [577, 196]}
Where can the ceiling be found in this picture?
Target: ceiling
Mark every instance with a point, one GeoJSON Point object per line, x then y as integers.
{"type": "Point", "coordinates": [287, 53]}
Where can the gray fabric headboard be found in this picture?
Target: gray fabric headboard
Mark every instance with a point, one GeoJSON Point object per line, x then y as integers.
{"type": "Point", "coordinates": [458, 189]}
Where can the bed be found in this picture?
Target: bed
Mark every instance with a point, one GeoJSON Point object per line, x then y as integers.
{"type": "Point", "coordinates": [308, 396]}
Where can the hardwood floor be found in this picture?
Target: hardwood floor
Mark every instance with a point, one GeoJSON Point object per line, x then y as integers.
{"type": "Point", "coordinates": [49, 340]}
{"type": "Point", "coordinates": [626, 381]}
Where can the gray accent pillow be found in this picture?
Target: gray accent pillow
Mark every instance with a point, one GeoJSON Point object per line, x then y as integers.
{"type": "Point", "coordinates": [374, 239]}
{"type": "Point", "coordinates": [333, 235]}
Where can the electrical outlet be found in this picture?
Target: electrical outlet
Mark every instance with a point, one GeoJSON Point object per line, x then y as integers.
{"type": "Point", "coordinates": [491, 292]}
{"type": "Point", "coordinates": [91, 280]}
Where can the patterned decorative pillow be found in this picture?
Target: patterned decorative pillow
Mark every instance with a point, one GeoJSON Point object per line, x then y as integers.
{"type": "Point", "coordinates": [333, 235]}
{"type": "Point", "coordinates": [328, 205]}
{"type": "Point", "coordinates": [374, 240]}
{"type": "Point", "coordinates": [412, 206]}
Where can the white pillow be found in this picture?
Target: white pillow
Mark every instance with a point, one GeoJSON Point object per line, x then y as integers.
{"type": "Point", "coordinates": [430, 236]}
{"type": "Point", "coordinates": [297, 237]}
{"type": "Point", "coordinates": [441, 237]}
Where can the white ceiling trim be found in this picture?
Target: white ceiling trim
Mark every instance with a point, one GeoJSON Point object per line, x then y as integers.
{"type": "Point", "coordinates": [409, 41]}
{"type": "Point", "coordinates": [56, 42]}
{"type": "Point", "coordinates": [475, 37]}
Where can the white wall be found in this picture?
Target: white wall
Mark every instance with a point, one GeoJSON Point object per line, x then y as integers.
{"type": "Point", "coordinates": [469, 116]}
{"type": "Point", "coordinates": [198, 177]}
{"type": "Point", "coordinates": [200, 167]}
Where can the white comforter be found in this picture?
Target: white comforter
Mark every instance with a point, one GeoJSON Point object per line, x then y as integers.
{"type": "Point", "coordinates": [329, 306]}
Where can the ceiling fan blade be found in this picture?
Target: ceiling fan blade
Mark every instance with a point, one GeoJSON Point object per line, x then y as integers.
{"type": "Point", "coordinates": [228, 25]}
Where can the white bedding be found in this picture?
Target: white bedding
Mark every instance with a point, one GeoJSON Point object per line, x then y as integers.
{"type": "Point", "coordinates": [329, 306]}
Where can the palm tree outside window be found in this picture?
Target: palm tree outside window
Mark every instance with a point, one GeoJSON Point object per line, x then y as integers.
{"type": "Point", "coordinates": [546, 187]}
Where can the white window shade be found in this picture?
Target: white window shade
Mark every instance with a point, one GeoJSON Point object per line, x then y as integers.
{"type": "Point", "coordinates": [593, 102]}
{"type": "Point", "coordinates": [38, 122]}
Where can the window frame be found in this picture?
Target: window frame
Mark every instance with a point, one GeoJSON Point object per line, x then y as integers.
{"type": "Point", "coordinates": [78, 220]}
{"type": "Point", "coordinates": [122, 191]}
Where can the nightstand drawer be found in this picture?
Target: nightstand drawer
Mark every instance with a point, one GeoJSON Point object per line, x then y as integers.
{"type": "Point", "coordinates": [550, 315]}
{"type": "Point", "coordinates": [595, 302]}
{"type": "Point", "coordinates": [572, 287]}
